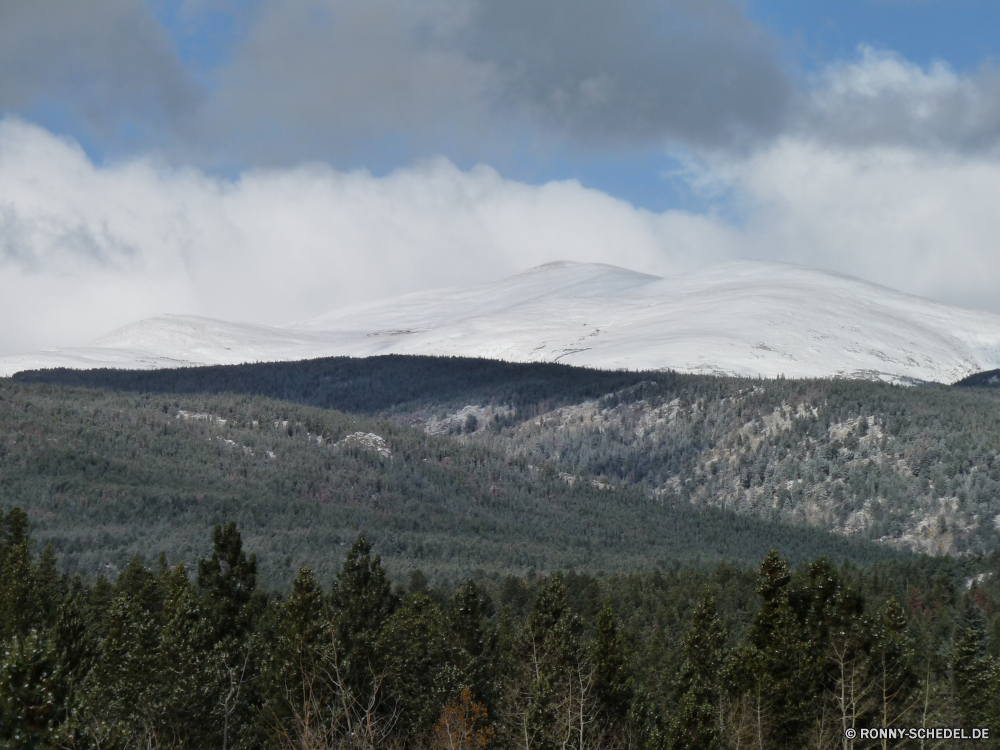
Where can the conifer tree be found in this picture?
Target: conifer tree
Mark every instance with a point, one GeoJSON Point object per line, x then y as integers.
{"type": "Point", "coordinates": [363, 601]}
{"type": "Point", "coordinates": [891, 657]}
{"type": "Point", "coordinates": [229, 579]}
{"type": "Point", "coordinates": [975, 673]}
{"type": "Point", "coordinates": [305, 703]}
{"type": "Point", "coordinates": [186, 658]}
{"type": "Point", "coordinates": [32, 692]}
{"type": "Point", "coordinates": [419, 658]}
{"type": "Point", "coordinates": [478, 656]}
{"type": "Point", "coordinates": [49, 585]}
{"type": "Point", "coordinates": [789, 683]}
{"type": "Point", "coordinates": [613, 686]}
{"type": "Point", "coordinates": [696, 722]}
{"type": "Point", "coordinates": [18, 590]}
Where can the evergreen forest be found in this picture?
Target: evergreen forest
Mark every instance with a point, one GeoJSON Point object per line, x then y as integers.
{"type": "Point", "coordinates": [716, 656]}
{"type": "Point", "coordinates": [910, 468]}
{"type": "Point", "coordinates": [417, 552]}
{"type": "Point", "coordinates": [108, 476]}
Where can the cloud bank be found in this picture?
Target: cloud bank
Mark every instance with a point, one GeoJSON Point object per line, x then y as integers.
{"type": "Point", "coordinates": [85, 248]}
{"type": "Point", "coordinates": [380, 83]}
{"type": "Point", "coordinates": [363, 82]}
{"type": "Point", "coordinates": [106, 66]}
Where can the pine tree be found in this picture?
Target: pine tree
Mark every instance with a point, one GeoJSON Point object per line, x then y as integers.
{"type": "Point", "coordinates": [50, 588]}
{"type": "Point", "coordinates": [363, 601]}
{"type": "Point", "coordinates": [613, 687]}
{"type": "Point", "coordinates": [891, 659]}
{"type": "Point", "coordinates": [229, 579]}
{"type": "Point", "coordinates": [305, 701]}
{"type": "Point", "coordinates": [975, 673]}
{"type": "Point", "coordinates": [560, 679]}
{"type": "Point", "coordinates": [18, 591]}
{"type": "Point", "coordinates": [190, 681]}
{"type": "Point", "coordinates": [418, 654]}
{"type": "Point", "coordinates": [696, 722]}
{"type": "Point", "coordinates": [125, 690]}
{"type": "Point", "coordinates": [478, 656]}
{"type": "Point", "coordinates": [789, 670]}
{"type": "Point", "coordinates": [32, 692]}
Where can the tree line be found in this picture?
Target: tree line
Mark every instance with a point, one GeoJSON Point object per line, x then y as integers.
{"type": "Point", "coordinates": [106, 476]}
{"type": "Point", "coordinates": [167, 656]}
{"type": "Point", "coordinates": [916, 465]}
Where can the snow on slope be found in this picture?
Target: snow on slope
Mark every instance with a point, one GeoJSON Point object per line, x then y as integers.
{"type": "Point", "coordinates": [745, 318]}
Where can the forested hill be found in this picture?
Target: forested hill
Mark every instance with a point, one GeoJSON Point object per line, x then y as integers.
{"type": "Point", "coordinates": [913, 467]}
{"type": "Point", "coordinates": [988, 379]}
{"type": "Point", "coordinates": [105, 476]}
{"type": "Point", "coordinates": [200, 656]}
{"type": "Point", "coordinates": [373, 385]}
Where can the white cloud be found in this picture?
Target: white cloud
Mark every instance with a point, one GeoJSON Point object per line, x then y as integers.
{"type": "Point", "coordinates": [920, 221]}
{"type": "Point", "coordinates": [881, 98]}
{"type": "Point", "coordinates": [86, 248]}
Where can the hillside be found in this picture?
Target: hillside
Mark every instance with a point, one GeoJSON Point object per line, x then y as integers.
{"type": "Point", "coordinates": [914, 468]}
{"type": "Point", "coordinates": [106, 476]}
{"type": "Point", "coordinates": [744, 319]}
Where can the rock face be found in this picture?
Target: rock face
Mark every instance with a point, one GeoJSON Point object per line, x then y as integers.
{"type": "Point", "coordinates": [745, 318]}
{"type": "Point", "coordinates": [915, 469]}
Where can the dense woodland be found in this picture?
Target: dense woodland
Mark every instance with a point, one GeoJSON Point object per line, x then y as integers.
{"type": "Point", "coordinates": [487, 555]}
{"type": "Point", "coordinates": [914, 468]}
{"type": "Point", "coordinates": [376, 386]}
{"type": "Point", "coordinates": [107, 476]}
{"type": "Point", "coordinates": [693, 657]}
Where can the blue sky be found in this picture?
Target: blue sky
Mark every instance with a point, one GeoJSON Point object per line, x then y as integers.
{"type": "Point", "coordinates": [205, 37]}
{"type": "Point", "coordinates": [859, 136]}
{"type": "Point", "coordinates": [961, 32]}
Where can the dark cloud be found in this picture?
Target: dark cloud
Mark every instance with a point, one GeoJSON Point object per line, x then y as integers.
{"type": "Point", "coordinates": [379, 83]}
{"type": "Point", "coordinates": [348, 78]}
{"type": "Point", "coordinates": [332, 78]}
{"type": "Point", "coordinates": [106, 63]}
{"type": "Point", "coordinates": [697, 71]}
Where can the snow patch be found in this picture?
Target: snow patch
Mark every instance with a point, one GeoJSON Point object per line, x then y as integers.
{"type": "Point", "coordinates": [367, 441]}
{"type": "Point", "coordinates": [745, 318]}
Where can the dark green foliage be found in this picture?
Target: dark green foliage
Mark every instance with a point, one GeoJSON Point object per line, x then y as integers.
{"type": "Point", "coordinates": [191, 650]}
{"type": "Point", "coordinates": [371, 385]}
{"type": "Point", "coordinates": [613, 683]}
{"type": "Point", "coordinates": [32, 691]}
{"type": "Point", "coordinates": [976, 673]}
{"type": "Point", "coordinates": [421, 662]}
{"type": "Point", "coordinates": [764, 660]}
{"type": "Point", "coordinates": [987, 379]}
{"type": "Point", "coordinates": [477, 640]}
{"type": "Point", "coordinates": [229, 579]}
{"type": "Point", "coordinates": [916, 466]}
{"type": "Point", "coordinates": [695, 725]}
{"type": "Point", "coordinates": [363, 599]}
{"type": "Point", "coordinates": [110, 477]}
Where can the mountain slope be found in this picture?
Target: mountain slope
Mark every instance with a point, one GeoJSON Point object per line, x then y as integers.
{"type": "Point", "coordinates": [913, 468]}
{"type": "Point", "coordinates": [744, 318]}
{"type": "Point", "coordinates": [105, 476]}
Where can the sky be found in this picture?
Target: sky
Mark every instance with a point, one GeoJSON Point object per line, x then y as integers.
{"type": "Point", "coordinates": [271, 160]}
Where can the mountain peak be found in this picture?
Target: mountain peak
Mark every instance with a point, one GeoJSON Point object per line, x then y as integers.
{"type": "Point", "coordinates": [742, 318]}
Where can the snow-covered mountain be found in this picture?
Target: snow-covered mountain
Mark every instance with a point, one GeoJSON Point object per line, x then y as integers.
{"type": "Point", "coordinates": [745, 318]}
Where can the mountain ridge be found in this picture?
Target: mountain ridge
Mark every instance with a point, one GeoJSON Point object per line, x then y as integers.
{"type": "Point", "coordinates": [744, 318]}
